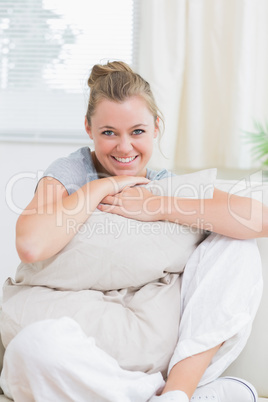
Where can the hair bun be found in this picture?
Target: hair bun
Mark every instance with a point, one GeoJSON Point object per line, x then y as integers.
{"type": "Point", "coordinates": [100, 70]}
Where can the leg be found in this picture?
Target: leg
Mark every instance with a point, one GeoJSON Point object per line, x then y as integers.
{"type": "Point", "coordinates": [53, 360]}
{"type": "Point", "coordinates": [186, 374]}
{"type": "Point", "coordinates": [221, 291]}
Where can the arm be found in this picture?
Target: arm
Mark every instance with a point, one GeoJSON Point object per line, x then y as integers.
{"type": "Point", "coordinates": [227, 214]}
{"type": "Point", "coordinates": [53, 217]}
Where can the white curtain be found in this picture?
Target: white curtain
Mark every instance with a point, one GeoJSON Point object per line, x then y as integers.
{"type": "Point", "coordinates": [207, 62]}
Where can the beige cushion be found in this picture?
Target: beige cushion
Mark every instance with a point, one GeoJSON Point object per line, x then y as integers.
{"type": "Point", "coordinates": [111, 252]}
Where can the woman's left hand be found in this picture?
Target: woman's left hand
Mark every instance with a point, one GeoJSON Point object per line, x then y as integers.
{"type": "Point", "coordinates": [135, 203]}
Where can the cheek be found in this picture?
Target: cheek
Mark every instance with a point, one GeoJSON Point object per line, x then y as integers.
{"type": "Point", "coordinates": [147, 147]}
{"type": "Point", "coordinates": [103, 147]}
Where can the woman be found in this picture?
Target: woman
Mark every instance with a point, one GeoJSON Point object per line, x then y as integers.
{"type": "Point", "coordinates": [123, 121]}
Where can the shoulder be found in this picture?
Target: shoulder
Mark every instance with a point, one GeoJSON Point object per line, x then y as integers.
{"type": "Point", "coordinates": [158, 175]}
{"type": "Point", "coordinates": [81, 156]}
{"type": "Point", "coordinates": [74, 170]}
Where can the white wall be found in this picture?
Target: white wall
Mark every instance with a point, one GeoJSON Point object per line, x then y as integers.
{"type": "Point", "coordinates": [19, 166]}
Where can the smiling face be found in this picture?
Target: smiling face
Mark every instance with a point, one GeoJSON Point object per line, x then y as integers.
{"type": "Point", "coordinates": [123, 135]}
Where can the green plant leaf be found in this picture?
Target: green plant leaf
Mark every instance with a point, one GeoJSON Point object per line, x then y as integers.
{"type": "Point", "coordinates": [259, 141]}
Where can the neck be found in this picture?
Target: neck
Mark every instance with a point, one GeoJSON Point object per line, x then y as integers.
{"type": "Point", "coordinates": [99, 168]}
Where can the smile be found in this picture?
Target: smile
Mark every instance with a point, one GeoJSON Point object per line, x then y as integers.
{"type": "Point", "coordinates": [125, 160]}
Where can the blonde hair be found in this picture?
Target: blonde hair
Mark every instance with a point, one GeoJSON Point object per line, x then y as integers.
{"type": "Point", "coordinates": [116, 81]}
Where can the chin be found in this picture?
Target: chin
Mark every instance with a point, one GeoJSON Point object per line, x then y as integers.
{"type": "Point", "coordinates": [126, 173]}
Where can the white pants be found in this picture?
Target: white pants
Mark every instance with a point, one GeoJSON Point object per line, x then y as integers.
{"type": "Point", "coordinates": [53, 360]}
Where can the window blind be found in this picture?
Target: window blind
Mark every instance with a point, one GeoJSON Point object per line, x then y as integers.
{"type": "Point", "coordinates": [47, 48]}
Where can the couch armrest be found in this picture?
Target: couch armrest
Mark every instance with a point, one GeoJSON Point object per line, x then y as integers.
{"type": "Point", "coordinates": [2, 351]}
{"type": "Point", "coordinates": [252, 364]}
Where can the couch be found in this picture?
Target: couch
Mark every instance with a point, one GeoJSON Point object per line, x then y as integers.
{"type": "Point", "coordinates": [252, 364]}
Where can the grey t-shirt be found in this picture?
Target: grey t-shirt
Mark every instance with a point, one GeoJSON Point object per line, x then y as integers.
{"type": "Point", "coordinates": [77, 169]}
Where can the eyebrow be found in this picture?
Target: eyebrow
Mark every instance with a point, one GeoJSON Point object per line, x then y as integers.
{"type": "Point", "coordinates": [113, 128]}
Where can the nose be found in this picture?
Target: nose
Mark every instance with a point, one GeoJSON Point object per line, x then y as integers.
{"type": "Point", "coordinates": [124, 145]}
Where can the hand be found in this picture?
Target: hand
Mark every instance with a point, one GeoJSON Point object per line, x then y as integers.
{"type": "Point", "coordinates": [117, 183]}
{"type": "Point", "coordinates": [135, 203]}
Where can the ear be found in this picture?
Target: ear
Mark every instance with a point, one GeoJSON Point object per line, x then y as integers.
{"type": "Point", "coordinates": [88, 128]}
{"type": "Point", "coordinates": [156, 130]}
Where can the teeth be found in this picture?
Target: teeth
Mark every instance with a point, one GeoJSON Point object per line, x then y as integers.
{"type": "Point", "coordinates": [125, 160]}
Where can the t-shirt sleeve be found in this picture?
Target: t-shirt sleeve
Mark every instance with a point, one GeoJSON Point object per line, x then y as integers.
{"type": "Point", "coordinates": [69, 172]}
{"type": "Point", "coordinates": [159, 175]}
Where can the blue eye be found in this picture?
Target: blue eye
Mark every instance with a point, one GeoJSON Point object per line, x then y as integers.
{"type": "Point", "coordinates": [138, 131]}
{"type": "Point", "coordinates": [109, 133]}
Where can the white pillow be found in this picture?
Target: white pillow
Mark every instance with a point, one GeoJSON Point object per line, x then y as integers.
{"type": "Point", "coordinates": [112, 252]}
{"type": "Point", "coordinates": [257, 190]}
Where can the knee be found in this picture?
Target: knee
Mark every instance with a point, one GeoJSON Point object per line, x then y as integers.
{"type": "Point", "coordinates": [37, 345]}
{"type": "Point", "coordinates": [239, 256]}
{"type": "Point", "coordinates": [28, 347]}
{"type": "Point", "coordinates": [247, 255]}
